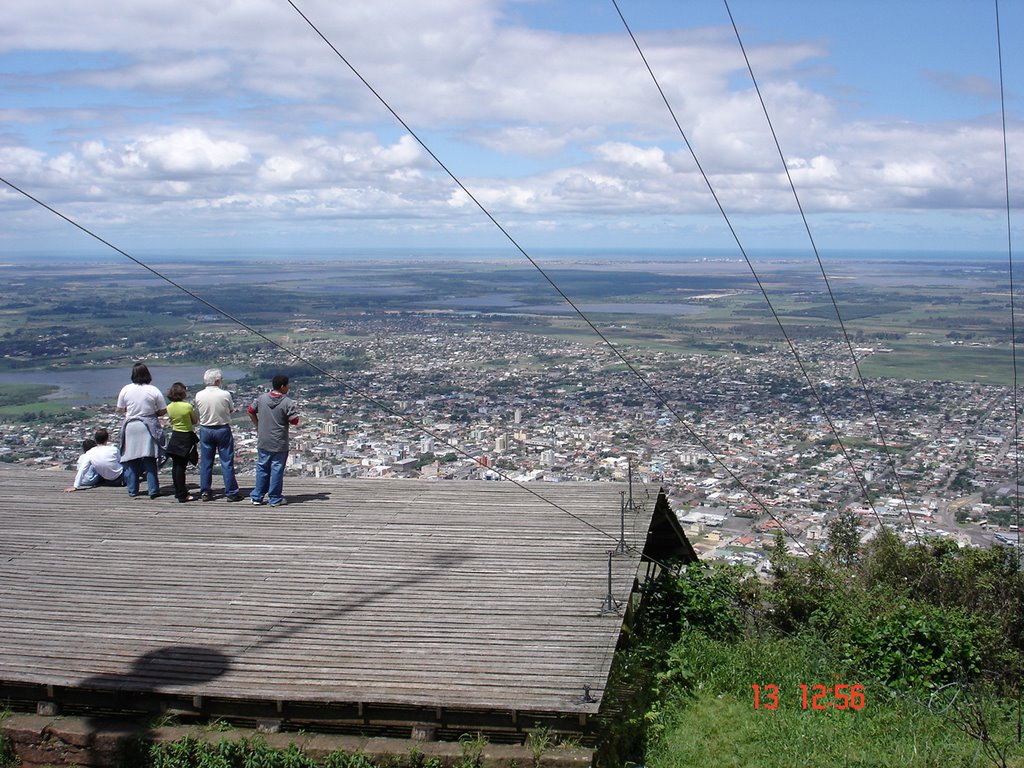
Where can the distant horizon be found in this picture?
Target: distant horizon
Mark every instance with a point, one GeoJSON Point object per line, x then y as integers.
{"type": "Point", "coordinates": [465, 253]}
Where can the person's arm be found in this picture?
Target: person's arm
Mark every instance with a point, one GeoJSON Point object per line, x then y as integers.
{"type": "Point", "coordinates": [195, 416]}
{"type": "Point", "coordinates": [253, 416]}
{"type": "Point", "coordinates": [161, 404]}
{"type": "Point", "coordinates": [83, 465]}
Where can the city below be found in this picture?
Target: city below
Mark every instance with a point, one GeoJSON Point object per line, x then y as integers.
{"type": "Point", "coordinates": [744, 443]}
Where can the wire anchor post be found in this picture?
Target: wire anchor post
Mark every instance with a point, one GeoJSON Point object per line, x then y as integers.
{"type": "Point", "coordinates": [610, 606]}
{"type": "Point", "coordinates": [621, 548]}
{"type": "Point", "coordinates": [631, 505]}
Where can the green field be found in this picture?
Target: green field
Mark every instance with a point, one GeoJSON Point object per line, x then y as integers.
{"type": "Point", "coordinates": [927, 361]}
{"type": "Point", "coordinates": [69, 314]}
{"type": "Point", "coordinates": [19, 400]}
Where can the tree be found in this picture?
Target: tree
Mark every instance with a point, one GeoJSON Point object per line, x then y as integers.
{"type": "Point", "coordinates": [844, 538]}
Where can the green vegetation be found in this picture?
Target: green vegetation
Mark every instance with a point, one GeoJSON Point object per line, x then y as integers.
{"type": "Point", "coordinates": [24, 394]}
{"type": "Point", "coordinates": [928, 313]}
{"type": "Point", "coordinates": [710, 718]}
{"type": "Point", "coordinates": [471, 748]}
{"type": "Point", "coordinates": [191, 752]}
{"type": "Point", "coordinates": [932, 634]}
{"type": "Point", "coordinates": [7, 757]}
{"type": "Point", "coordinates": [539, 741]}
{"type": "Point", "coordinates": [929, 361]}
{"type": "Point", "coordinates": [26, 403]}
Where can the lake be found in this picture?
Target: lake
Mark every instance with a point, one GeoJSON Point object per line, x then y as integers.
{"type": "Point", "coordinates": [94, 385]}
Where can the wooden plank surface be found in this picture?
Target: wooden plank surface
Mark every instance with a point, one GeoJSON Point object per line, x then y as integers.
{"type": "Point", "coordinates": [446, 594]}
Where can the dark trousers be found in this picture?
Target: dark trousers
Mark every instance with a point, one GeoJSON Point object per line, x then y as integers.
{"type": "Point", "coordinates": [178, 465]}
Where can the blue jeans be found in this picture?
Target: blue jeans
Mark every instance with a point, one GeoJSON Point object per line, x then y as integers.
{"type": "Point", "coordinates": [270, 471]}
{"type": "Point", "coordinates": [134, 468]}
{"type": "Point", "coordinates": [221, 441]}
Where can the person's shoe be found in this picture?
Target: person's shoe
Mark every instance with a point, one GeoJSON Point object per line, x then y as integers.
{"type": "Point", "coordinates": [280, 503]}
{"type": "Point", "coordinates": [232, 498]}
{"type": "Point", "coordinates": [155, 495]}
{"type": "Point", "coordinates": [256, 503]}
{"type": "Point", "coordinates": [183, 499]}
{"type": "Point", "coordinates": [207, 496]}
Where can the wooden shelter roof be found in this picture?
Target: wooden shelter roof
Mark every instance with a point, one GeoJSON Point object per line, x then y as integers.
{"type": "Point", "coordinates": [470, 596]}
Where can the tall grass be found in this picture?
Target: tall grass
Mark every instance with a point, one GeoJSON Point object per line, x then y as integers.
{"type": "Point", "coordinates": [708, 718]}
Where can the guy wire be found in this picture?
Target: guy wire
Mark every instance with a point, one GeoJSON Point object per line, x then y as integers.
{"type": "Point", "coordinates": [661, 398]}
{"type": "Point", "coordinates": [757, 279]}
{"type": "Point", "coordinates": [296, 356]}
{"type": "Point", "coordinates": [1013, 332]}
{"type": "Point", "coordinates": [824, 276]}
{"type": "Point", "coordinates": [753, 271]}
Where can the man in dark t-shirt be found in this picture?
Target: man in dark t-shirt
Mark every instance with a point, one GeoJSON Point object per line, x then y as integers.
{"type": "Point", "coordinates": [273, 413]}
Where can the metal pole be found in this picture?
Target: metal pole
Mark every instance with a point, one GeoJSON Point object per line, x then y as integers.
{"type": "Point", "coordinates": [610, 606]}
{"type": "Point", "coordinates": [621, 548]}
{"type": "Point", "coordinates": [630, 464]}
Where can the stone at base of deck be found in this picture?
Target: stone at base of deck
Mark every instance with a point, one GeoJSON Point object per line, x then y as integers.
{"type": "Point", "coordinates": [62, 742]}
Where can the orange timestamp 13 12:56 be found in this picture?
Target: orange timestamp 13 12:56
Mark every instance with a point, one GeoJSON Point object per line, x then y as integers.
{"type": "Point", "coordinates": [815, 697]}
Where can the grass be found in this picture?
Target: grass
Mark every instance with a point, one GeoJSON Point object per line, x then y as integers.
{"type": "Point", "coordinates": [20, 399]}
{"type": "Point", "coordinates": [25, 394]}
{"type": "Point", "coordinates": [925, 361]}
{"type": "Point", "coordinates": [725, 731]}
{"type": "Point", "coordinates": [7, 756]}
{"type": "Point", "coordinates": [710, 718]}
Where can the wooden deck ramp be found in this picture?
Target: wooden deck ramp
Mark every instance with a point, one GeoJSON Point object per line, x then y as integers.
{"type": "Point", "coordinates": [465, 604]}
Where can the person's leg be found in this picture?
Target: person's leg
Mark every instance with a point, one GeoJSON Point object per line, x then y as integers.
{"type": "Point", "coordinates": [226, 450]}
{"type": "Point", "coordinates": [152, 478]}
{"type": "Point", "coordinates": [131, 475]}
{"type": "Point", "coordinates": [178, 465]}
{"type": "Point", "coordinates": [276, 494]}
{"type": "Point", "coordinates": [207, 446]}
{"type": "Point", "coordinates": [263, 459]}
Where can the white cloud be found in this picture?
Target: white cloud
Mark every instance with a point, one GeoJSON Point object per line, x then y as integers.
{"type": "Point", "coordinates": [648, 160]}
{"type": "Point", "coordinates": [530, 140]}
{"type": "Point", "coordinates": [186, 151]}
{"type": "Point", "coordinates": [212, 108]}
{"type": "Point", "coordinates": [160, 74]}
{"type": "Point", "coordinates": [281, 170]}
{"type": "Point", "coordinates": [21, 160]}
{"type": "Point", "coordinates": [407, 152]}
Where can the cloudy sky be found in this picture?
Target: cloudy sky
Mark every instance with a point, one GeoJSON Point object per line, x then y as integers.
{"type": "Point", "coordinates": [219, 125]}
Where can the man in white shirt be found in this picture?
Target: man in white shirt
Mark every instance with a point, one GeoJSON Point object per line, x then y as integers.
{"type": "Point", "coordinates": [214, 407]}
{"type": "Point", "coordinates": [99, 464]}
